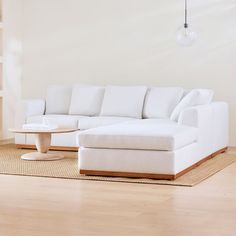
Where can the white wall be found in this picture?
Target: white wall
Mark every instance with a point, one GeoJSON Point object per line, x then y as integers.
{"type": "Point", "coordinates": [129, 42]}
{"type": "Point", "coordinates": [12, 61]}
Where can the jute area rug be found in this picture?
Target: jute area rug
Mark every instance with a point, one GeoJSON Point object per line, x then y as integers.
{"type": "Point", "coordinates": [67, 168]}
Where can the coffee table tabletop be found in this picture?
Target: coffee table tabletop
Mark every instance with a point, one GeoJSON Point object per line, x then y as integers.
{"type": "Point", "coordinates": [38, 131]}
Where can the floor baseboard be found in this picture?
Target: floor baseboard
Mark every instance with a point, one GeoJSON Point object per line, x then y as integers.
{"type": "Point", "coordinates": [7, 141]}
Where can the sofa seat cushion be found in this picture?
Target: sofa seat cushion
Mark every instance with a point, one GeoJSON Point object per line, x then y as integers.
{"type": "Point", "coordinates": [63, 121]}
{"type": "Point", "coordinates": [93, 122]}
{"type": "Point", "coordinates": [151, 122]}
{"type": "Point", "coordinates": [166, 137]}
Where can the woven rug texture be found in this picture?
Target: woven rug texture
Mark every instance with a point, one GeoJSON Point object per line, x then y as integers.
{"type": "Point", "coordinates": [67, 168]}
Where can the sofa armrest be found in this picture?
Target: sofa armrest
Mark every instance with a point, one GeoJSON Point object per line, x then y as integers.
{"type": "Point", "coordinates": [212, 121]}
{"type": "Point", "coordinates": [26, 108]}
{"type": "Point", "coordinates": [197, 115]}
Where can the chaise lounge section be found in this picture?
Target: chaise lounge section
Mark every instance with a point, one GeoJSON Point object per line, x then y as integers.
{"type": "Point", "coordinates": [160, 149]}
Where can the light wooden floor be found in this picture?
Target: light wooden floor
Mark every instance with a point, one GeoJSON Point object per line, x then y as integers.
{"type": "Point", "coordinates": [41, 206]}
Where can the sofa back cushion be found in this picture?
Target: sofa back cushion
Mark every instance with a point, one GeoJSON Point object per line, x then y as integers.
{"type": "Point", "coordinates": [160, 101]}
{"type": "Point", "coordinates": [124, 101]}
{"type": "Point", "coordinates": [58, 99]}
{"type": "Point", "coordinates": [193, 98]}
{"type": "Point", "coordinates": [86, 100]}
{"type": "Point", "coordinates": [205, 96]}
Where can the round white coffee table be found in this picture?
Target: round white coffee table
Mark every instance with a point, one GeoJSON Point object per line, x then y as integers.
{"type": "Point", "coordinates": [43, 142]}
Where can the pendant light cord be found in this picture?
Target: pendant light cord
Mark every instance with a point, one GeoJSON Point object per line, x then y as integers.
{"type": "Point", "coordinates": [186, 14]}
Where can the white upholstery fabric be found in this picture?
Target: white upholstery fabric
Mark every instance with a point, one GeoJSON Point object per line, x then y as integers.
{"type": "Point", "coordinates": [188, 101]}
{"type": "Point", "coordinates": [86, 100]}
{"type": "Point", "coordinates": [212, 122]}
{"type": "Point", "coordinates": [139, 161]}
{"type": "Point", "coordinates": [193, 98]}
{"type": "Point", "coordinates": [123, 160]}
{"type": "Point", "coordinates": [220, 125]}
{"type": "Point", "coordinates": [65, 140]}
{"type": "Point", "coordinates": [20, 138]}
{"type": "Point", "coordinates": [152, 121]}
{"type": "Point", "coordinates": [160, 102]}
{"type": "Point", "coordinates": [32, 107]}
{"type": "Point", "coordinates": [59, 140]}
{"type": "Point", "coordinates": [93, 122]}
{"type": "Point", "coordinates": [24, 109]}
{"type": "Point", "coordinates": [148, 137]}
{"type": "Point", "coordinates": [205, 96]}
{"type": "Point", "coordinates": [63, 121]}
{"type": "Point", "coordinates": [58, 99]}
{"type": "Point", "coordinates": [123, 101]}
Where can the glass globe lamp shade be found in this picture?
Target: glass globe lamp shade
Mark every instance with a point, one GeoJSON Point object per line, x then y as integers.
{"type": "Point", "coordinates": [185, 36]}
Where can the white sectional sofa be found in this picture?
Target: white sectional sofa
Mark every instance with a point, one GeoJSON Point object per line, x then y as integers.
{"type": "Point", "coordinates": [135, 131]}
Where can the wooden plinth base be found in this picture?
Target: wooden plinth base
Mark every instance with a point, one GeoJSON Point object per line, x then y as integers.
{"type": "Point", "coordinates": [53, 148]}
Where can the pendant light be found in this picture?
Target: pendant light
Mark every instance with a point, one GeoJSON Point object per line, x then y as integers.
{"type": "Point", "coordinates": [185, 36]}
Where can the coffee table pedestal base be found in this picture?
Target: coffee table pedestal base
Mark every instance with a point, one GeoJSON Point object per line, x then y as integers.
{"type": "Point", "coordinates": [43, 142]}
{"type": "Point", "coordinates": [37, 156]}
